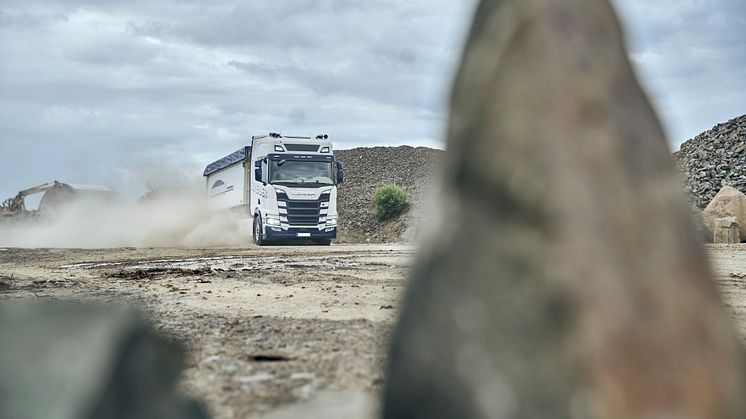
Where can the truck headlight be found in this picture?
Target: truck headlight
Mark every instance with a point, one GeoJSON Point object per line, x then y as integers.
{"type": "Point", "coordinates": [331, 222]}
{"type": "Point", "coordinates": [273, 220]}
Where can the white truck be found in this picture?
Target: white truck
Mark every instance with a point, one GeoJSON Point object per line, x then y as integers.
{"type": "Point", "coordinates": [282, 188]}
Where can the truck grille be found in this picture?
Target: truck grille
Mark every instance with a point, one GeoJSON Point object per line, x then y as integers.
{"type": "Point", "coordinates": [302, 147]}
{"type": "Point", "coordinates": [296, 212]}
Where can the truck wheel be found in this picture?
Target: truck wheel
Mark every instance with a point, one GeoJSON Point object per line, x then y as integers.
{"type": "Point", "coordinates": [322, 242]}
{"type": "Point", "coordinates": [258, 240]}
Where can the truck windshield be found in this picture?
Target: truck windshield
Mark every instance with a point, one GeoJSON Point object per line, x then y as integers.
{"type": "Point", "coordinates": [307, 174]}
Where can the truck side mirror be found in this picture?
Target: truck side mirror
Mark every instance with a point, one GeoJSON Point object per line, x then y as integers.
{"type": "Point", "coordinates": [258, 171]}
{"type": "Point", "coordinates": [340, 173]}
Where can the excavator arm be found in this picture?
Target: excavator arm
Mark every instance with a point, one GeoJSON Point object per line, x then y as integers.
{"type": "Point", "coordinates": [17, 204]}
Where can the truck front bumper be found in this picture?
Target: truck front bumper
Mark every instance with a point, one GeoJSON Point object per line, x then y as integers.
{"type": "Point", "coordinates": [273, 234]}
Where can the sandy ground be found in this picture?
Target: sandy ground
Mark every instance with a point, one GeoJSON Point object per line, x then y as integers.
{"type": "Point", "coordinates": [266, 327]}
{"type": "Point", "coordinates": [272, 332]}
{"type": "Point", "coordinates": [729, 268]}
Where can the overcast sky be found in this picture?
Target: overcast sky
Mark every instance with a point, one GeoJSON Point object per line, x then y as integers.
{"type": "Point", "coordinates": [125, 92]}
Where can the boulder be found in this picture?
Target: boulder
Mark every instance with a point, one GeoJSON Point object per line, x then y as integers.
{"type": "Point", "coordinates": [729, 202]}
{"type": "Point", "coordinates": [61, 361]}
{"type": "Point", "coordinates": [564, 278]}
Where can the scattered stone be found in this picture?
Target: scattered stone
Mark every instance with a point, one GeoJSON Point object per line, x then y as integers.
{"type": "Point", "coordinates": [230, 368]}
{"type": "Point", "coordinates": [211, 359]}
{"type": "Point", "coordinates": [256, 378]}
{"type": "Point", "coordinates": [725, 231]}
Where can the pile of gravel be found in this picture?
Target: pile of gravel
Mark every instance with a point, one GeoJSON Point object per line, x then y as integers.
{"type": "Point", "coordinates": [708, 162]}
{"type": "Point", "coordinates": [412, 168]}
{"type": "Point", "coordinates": [714, 159]}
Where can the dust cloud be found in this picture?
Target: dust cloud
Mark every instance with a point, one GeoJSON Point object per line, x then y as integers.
{"type": "Point", "coordinates": [174, 218]}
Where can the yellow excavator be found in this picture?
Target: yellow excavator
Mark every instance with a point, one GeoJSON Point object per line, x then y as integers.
{"type": "Point", "coordinates": [55, 193]}
{"type": "Point", "coordinates": [17, 204]}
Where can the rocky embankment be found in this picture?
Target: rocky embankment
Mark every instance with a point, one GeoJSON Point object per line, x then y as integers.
{"type": "Point", "coordinates": [714, 159]}
{"type": "Point", "coordinates": [708, 162]}
{"type": "Point", "coordinates": [412, 168]}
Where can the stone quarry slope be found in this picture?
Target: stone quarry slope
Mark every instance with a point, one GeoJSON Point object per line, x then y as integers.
{"type": "Point", "coordinates": [708, 161]}
{"type": "Point", "coordinates": [412, 168]}
{"type": "Point", "coordinates": [714, 159]}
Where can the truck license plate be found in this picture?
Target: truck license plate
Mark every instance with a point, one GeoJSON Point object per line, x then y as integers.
{"type": "Point", "coordinates": [304, 234]}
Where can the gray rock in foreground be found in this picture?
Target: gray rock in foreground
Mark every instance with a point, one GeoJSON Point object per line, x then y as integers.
{"type": "Point", "coordinates": [565, 279]}
{"type": "Point", "coordinates": [81, 362]}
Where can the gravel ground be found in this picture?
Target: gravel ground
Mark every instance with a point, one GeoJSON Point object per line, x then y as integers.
{"type": "Point", "coordinates": [275, 333]}
{"type": "Point", "coordinates": [266, 328]}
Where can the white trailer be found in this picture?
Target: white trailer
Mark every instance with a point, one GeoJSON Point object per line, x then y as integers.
{"type": "Point", "coordinates": [284, 188]}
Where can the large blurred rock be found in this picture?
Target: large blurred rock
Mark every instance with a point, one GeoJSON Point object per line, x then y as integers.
{"type": "Point", "coordinates": [729, 202]}
{"type": "Point", "coordinates": [565, 278]}
{"type": "Point", "coordinates": [80, 362]}
{"type": "Point", "coordinates": [699, 223]}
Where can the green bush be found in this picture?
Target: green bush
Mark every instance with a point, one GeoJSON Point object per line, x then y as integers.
{"type": "Point", "coordinates": [390, 202]}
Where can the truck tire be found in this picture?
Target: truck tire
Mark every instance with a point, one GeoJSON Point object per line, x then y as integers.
{"type": "Point", "coordinates": [257, 232]}
{"type": "Point", "coordinates": [322, 242]}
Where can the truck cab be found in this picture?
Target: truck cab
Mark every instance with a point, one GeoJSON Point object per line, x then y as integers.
{"type": "Point", "coordinates": [285, 188]}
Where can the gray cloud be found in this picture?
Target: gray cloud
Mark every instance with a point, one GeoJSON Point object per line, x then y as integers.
{"type": "Point", "coordinates": [94, 90]}
{"type": "Point", "coordinates": [692, 57]}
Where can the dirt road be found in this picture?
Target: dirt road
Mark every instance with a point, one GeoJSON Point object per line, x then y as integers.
{"type": "Point", "coordinates": [729, 267]}
{"type": "Point", "coordinates": [267, 328]}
